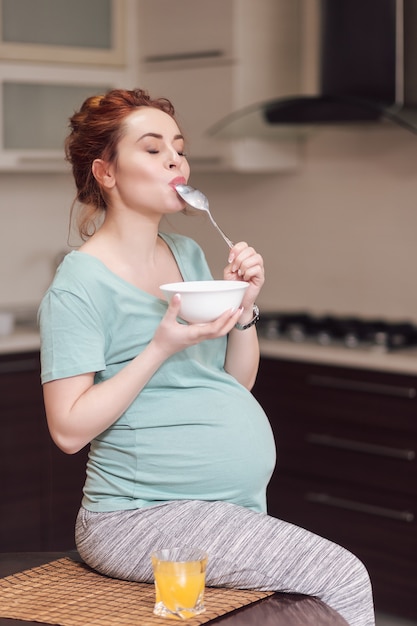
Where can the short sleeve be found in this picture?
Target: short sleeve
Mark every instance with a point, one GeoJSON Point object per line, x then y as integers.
{"type": "Point", "coordinates": [72, 336]}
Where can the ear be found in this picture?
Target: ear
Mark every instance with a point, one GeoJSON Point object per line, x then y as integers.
{"type": "Point", "coordinates": [103, 173]}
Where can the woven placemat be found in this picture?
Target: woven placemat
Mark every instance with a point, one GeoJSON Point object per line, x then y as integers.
{"type": "Point", "coordinates": [69, 593]}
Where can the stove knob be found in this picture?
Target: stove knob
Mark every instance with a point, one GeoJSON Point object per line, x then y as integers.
{"type": "Point", "coordinates": [381, 339]}
{"type": "Point", "coordinates": [324, 338]}
{"type": "Point", "coordinates": [351, 340]}
{"type": "Point", "coordinates": [296, 333]}
{"type": "Point", "coordinates": [271, 329]}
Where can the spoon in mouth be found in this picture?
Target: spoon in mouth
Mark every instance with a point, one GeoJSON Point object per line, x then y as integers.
{"type": "Point", "coordinates": [196, 199]}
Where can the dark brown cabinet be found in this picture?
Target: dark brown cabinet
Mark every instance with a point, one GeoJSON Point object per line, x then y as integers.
{"type": "Point", "coordinates": [347, 467]}
{"type": "Point", "coordinates": [41, 486]}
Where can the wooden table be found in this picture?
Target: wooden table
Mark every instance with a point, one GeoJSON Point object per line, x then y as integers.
{"type": "Point", "coordinates": [280, 609]}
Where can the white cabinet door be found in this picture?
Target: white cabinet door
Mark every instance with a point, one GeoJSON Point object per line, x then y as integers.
{"type": "Point", "coordinates": [200, 96]}
{"type": "Point", "coordinates": [35, 123]}
{"type": "Point", "coordinates": [50, 105]}
{"type": "Point", "coordinates": [215, 58]}
{"type": "Point", "coordinates": [186, 31]}
{"type": "Point", "coordinates": [50, 61]}
{"type": "Point", "coordinates": [59, 31]}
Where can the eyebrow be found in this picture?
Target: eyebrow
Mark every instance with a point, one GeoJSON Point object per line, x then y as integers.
{"type": "Point", "coordinates": [158, 136]}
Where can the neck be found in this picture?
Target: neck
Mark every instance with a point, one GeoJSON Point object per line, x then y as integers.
{"type": "Point", "coordinates": [130, 234]}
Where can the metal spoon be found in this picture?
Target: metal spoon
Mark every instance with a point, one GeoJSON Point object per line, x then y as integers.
{"type": "Point", "coordinates": [198, 200]}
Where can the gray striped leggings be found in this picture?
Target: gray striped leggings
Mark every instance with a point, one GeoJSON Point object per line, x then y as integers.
{"type": "Point", "coordinates": [246, 550]}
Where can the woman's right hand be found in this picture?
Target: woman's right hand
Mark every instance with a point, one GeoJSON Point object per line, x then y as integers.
{"type": "Point", "coordinates": [172, 336]}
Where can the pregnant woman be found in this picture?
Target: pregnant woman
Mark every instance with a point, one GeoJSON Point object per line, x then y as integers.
{"type": "Point", "coordinates": [180, 451]}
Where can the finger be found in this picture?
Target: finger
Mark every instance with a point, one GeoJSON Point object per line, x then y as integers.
{"type": "Point", "coordinates": [174, 307]}
{"type": "Point", "coordinates": [235, 255]}
{"type": "Point", "coordinates": [253, 273]}
{"type": "Point", "coordinates": [223, 324]}
{"type": "Point", "coordinates": [235, 251]}
{"type": "Point", "coordinates": [248, 262]}
{"type": "Point", "coordinates": [217, 328]}
{"type": "Point", "coordinates": [246, 257]}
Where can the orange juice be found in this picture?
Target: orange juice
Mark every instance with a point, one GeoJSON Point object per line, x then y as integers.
{"type": "Point", "coordinates": [179, 586]}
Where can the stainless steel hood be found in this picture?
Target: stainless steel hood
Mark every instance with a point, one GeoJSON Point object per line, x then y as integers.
{"type": "Point", "coordinates": [366, 72]}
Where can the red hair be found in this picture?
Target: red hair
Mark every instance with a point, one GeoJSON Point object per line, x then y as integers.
{"type": "Point", "coordinates": [96, 130]}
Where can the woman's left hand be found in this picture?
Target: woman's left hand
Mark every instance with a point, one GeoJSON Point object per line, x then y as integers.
{"type": "Point", "coordinates": [244, 263]}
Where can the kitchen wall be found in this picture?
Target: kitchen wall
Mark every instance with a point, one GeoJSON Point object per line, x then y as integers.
{"type": "Point", "coordinates": [34, 211]}
{"type": "Point", "coordinates": [338, 235]}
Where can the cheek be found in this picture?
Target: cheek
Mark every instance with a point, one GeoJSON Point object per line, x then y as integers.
{"type": "Point", "coordinates": [134, 174]}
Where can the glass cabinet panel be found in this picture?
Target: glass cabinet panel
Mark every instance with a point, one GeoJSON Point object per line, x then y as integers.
{"type": "Point", "coordinates": [35, 115]}
{"type": "Point", "coordinates": [76, 31]}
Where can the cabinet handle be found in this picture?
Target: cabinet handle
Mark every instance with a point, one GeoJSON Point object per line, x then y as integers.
{"type": "Point", "coordinates": [332, 382]}
{"type": "Point", "coordinates": [330, 441]}
{"type": "Point", "coordinates": [352, 505]}
{"type": "Point", "coordinates": [23, 365]}
{"type": "Point", "coordinates": [184, 56]}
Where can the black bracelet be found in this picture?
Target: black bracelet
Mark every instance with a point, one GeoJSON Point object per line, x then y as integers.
{"type": "Point", "coordinates": [252, 322]}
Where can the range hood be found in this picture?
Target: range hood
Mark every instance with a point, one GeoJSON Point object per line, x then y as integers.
{"type": "Point", "coordinates": [364, 67]}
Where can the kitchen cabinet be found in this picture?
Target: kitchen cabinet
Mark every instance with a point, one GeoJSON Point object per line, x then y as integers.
{"type": "Point", "coordinates": [35, 105]}
{"type": "Point", "coordinates": [212, 59]}
{"type": "Point", "coordinates": [347, 467]}
{"type": "Point", "coordinates": [207, 25]}
{"type": "Point", "coordinates": [60, 32]}
{"type": "Point", "coordinates": [48, 101]}
{"type": "Point", "coordinates": [41, 486]}
{"type": "Point", "coordinates": [46, 72]}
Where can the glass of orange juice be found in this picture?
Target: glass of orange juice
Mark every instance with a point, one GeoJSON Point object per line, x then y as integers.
{"type": "Point", "coordinates": [180, 575]}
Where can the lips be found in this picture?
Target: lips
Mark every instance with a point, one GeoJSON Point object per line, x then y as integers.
{"type": "Point", "coordinates": [178, 180]}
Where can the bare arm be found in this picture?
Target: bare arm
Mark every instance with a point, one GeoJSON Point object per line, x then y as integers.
{"type": "Point", "coordinates": [77, 410]}
{"type": "Point", "coordinates": [242, 357]}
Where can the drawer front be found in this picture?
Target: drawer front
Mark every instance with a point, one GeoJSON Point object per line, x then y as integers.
{"type": "Point", "coordinates": [380, 530]}
{"type": "Point", "coordinates": [375, 398]}
{"type": "Point", "coordinates": [329, 422]}
{"type": "Point", "coordinates": [20, 380]}
{"type": "Point", "coordinates": [19, 362]}
{"type": "Point", "coordinates": [21, 468]}
{"type": "Point", "coordinates": [382, 458]}
{"type": "Point", "coordinates": [348, 514]}
{"type": "Point", "coordinates": [347, 468]}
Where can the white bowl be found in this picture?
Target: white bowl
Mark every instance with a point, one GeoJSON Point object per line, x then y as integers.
{"type": "Point", "coordinates": [205, 300]}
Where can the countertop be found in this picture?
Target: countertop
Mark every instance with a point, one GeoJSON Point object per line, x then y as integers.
{"type": "Point", "coordinates": [21, 340]}
{"type": "Point", "coordinates": [402, 361]}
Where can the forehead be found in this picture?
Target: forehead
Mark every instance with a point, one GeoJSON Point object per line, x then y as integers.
{"type": "Point", "coordinates": [150, 120]}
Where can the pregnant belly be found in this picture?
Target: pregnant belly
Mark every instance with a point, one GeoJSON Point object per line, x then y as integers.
{"type": "Point", "coordinates": [198, 450]}
{"type": "Point", "coordinates": [231, 457]}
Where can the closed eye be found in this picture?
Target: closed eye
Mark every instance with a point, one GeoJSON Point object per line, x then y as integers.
{"type": "Point", "coordinates": [180, 153]}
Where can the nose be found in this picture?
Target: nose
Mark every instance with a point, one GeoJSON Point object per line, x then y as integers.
{"type": "Point", "coordinates": [173, 162]}
{"type": "Point", "coordinates": [174, 158]}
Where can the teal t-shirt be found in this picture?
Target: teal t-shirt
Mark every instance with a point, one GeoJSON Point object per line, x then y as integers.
{"type": "Point", "coordinates": [193, 432]}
